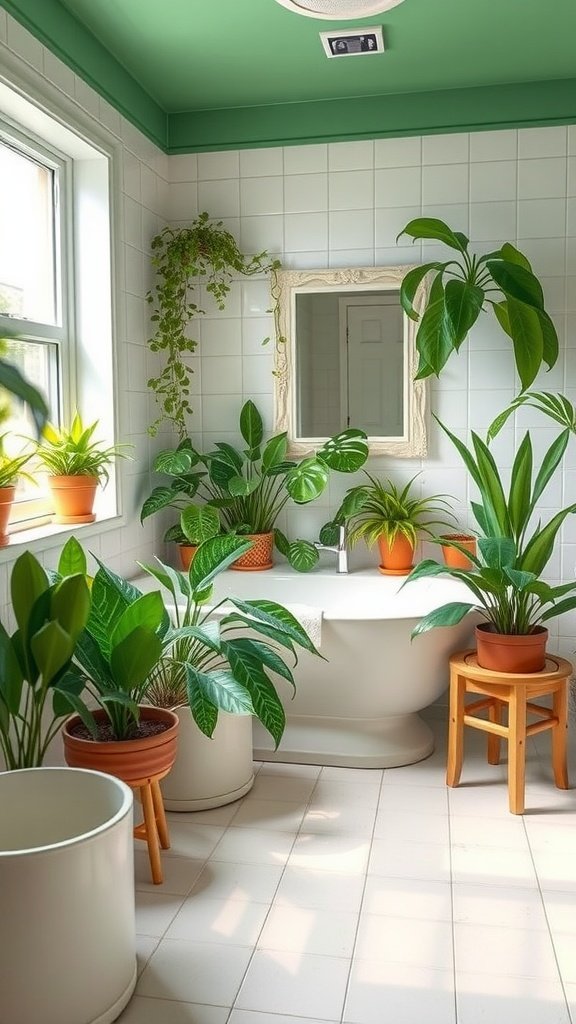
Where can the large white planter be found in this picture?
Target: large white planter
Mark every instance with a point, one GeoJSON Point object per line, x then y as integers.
{"type": "Point", "coordinates": [67, 930]}
{"type": "Point", "coordinates": [210, 772]}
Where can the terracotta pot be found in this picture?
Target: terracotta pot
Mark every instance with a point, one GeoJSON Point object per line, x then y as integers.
{"type": "Point", "coordinates": [73, 498]}
{"type": "Point", "coordinates": [511, 653]}
{"type": "Point", "coordinates": [129, 760]}
{"type": "Point", "coordinates": [259, 556]}
{"type": "Point", "coordinates": [396, 559]}
{"type": "Point", "coordinates": [187, 552]}
{"type": "Point", "coordinates": [6, 501]}
{"type": "Point", "coordinates": [454, 558]}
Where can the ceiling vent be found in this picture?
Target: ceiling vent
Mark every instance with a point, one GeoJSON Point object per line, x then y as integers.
{"type": "Point", "coordinates": [353, 42]}
{"type": "Point", "coordinates": [339, 10]}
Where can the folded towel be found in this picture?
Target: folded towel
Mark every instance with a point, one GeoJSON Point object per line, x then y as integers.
{"type": "Point", "coordinates": [310, 619]}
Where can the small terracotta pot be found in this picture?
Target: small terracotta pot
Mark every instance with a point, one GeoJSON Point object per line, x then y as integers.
{"type": "Point", "coordinates": [73, 498]}
{"type": "Point", "coordinates": [129, 760]}
{"type": "Point", "coordinates": [259, 556]}
{"type": "Point", "coordinates": [6, 501]}
{"type": "Point", "coordinates": [396, 559]}
{"type": "Point", "coordinates": [187, 552]}
{"type": "Point", "coordinates": [454, 558]}
{"type": "Point", "coordinates": [511, 653]}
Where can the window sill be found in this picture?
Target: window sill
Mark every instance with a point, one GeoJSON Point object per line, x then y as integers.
{"type": "Point", "coordinates": [51, 535]}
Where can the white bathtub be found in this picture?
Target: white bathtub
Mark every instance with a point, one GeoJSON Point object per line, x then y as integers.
{"type": "Point", "coordinates": [359, 708]}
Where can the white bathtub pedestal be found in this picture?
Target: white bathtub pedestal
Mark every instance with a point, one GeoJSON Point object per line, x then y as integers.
{"type": "Point", "coordinates": [348, 743]}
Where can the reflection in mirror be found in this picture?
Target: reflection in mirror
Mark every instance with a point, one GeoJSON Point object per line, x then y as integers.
{"type": "Point", "coordinates": [348, 360]}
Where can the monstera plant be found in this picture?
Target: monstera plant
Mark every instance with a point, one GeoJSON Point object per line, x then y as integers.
{"type": "Point", "coordinates": [250, 487]}
{"type": "Point", "coordinates": [462, 288]}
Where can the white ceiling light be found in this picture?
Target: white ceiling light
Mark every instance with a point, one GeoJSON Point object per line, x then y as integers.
{"type": "Point", "coordinates": [338, 10]}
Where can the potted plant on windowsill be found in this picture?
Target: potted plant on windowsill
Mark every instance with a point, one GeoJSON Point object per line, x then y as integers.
{"type": "Point", "coordinates": [505, 581]}
{"type": "Point", "coordinates": [392, 517]}
{"type": "Point", "coordinates": [251, 487]}
{"type": "Point", "coordinates": [76, 464]}
{"type": "Point", "coordinates": [10, 472]}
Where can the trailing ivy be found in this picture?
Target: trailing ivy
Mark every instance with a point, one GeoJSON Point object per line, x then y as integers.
{"type": "Point", "coordinates": [181, 256]}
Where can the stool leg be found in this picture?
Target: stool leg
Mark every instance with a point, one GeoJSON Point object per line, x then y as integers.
{"type": "Point", "coordinates": [559, 736]}
{"type": "Point", "coordinates": [517, 748]}
{"type": "Point", "coordinates": [455, 729]}
{"type": "Point", "coordinates": [151, 834]}
{"type": "Point", "coordinates": [494, 715]}
{"type": "Point", "coordinates": [160, 815]}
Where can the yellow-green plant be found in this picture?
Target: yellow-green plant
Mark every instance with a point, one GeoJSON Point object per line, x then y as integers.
{"type": "Point", "coordinates": [74, 452]}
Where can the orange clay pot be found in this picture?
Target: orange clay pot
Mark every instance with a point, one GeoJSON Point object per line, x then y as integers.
{"type": "Point", "coordinates": [129, 760]}
{"type": "Point", "coordinates": [259, 556]}
{"type": "Point", "coordinates": [73, 498]}
{"type": "Point", "coordinates": [511, 653]}
{"type": "Point", "coordinates": [187, 552]}
{"type": "Point", "coordinates": [454, 558]}
{"type": "Point", "coordinates": [396, 559]}
{"type": "Point", "coordinates": [6, 501]}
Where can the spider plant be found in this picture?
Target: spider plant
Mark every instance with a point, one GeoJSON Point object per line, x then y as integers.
{"type": "Point", "coordinates": [74, 452]}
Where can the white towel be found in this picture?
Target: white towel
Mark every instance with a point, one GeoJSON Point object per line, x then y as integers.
{"type": "Point", "coordinates": [310, 619]}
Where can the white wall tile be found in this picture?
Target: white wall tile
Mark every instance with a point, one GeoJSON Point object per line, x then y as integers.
{"type": "Point", "coordinates": [306, 231]}
{"type": "Point", "coordinates": [305, 159]}
{"type": "Point", "coordinates": [398, 152]}
{"type": "Point", "coordinates": [183, 202]}
{"type": "Point", "coordinates": [493, 180]}
{"type": "Point", "coordinates": [489, 221]}
{"type": "Point", "coordinates": [221, 198]}
{"type": "Point", "coordinates": [305, 193]}
{"type": "Point", "coordinates": [398, 186]}
{"type": "Point", "coordinates": [259, 233]}
{"type": "Point", "coordinates": [351, 229]}
{"type": "Point", "coordinates": [445, 183]}
{"type": "Point", "coordinates": [494, 145]}
{"type": "Point", "coordinates": [445, 149]}
{"type": "Point", "coordinates": [390, 222]}
{"type": "Point", "coordinates": [183, 167]}
{"type": "Point", "coordinates": [261, 196]}
{"type": "Point", "coordinates": [347, 156]}
{"type": "Point", "coordinates": [541, 218]}
{"type": "Point", "coordinates": [351, 190]}
{"type": "Point", "coordinates": [539, 142]}
{"type": "Point", "coordinates": [218, 165]}
{"type": "Point", "coordinates": [221, 337]}
{"type": "Point", "coordinates": [542, 179]}
{"type": "Point", "coordinates": [221, 376]}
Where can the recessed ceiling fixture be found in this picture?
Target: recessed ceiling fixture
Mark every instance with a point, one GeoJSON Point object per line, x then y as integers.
{"type": "Point", "coordinates": [339, 10]}
{"type": "Point", "coordinates": [352, 42]}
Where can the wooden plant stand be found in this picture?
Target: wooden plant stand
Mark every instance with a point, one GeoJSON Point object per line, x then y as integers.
{"type": "Point", "coordinates": [154, 828]}
{"type": "Point", "coordinates": [517, 692]}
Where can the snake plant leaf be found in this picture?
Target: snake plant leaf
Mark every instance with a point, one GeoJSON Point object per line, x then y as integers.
{"type": "Point", "coordinates": [516, 282]}
{"type": "Point", "coordinates": [11, 678]}
{"type": "Point", "coordinates": [12, 380]}
{"type": "Point", "coordinates": [302, 555]}
{"type": "Point", "coordinates": [221, 689]}
{"type": "Point", "coordinates": [204, 712]}
{"type": "Point", "coordinates": [247, 670]}
{"type": "Point", "coordinates": [432, 227]}
{"type": "Point", "coordinates": [274, 453]}
{"type": "Point", "coordinates": [240, 487]}
{"type": "Point", "coordinates": [175, 462]}
{"type": "Point", "coordinates": [447, 615]}
{"type": "Point", "coordinates": [346, 452]}
{"type": "Point", "coordinates": [527, 339]}
{"type": "Point", "coordinates": [411, 283]}
{"type": "Point", "coordinates": [307, 480]}
{"type": "Point", "coordinates": [72, 559]}
{"type": "Point", "coordinates": [52, 647]}
{"type": "Point", "coordinates": [280, 618]}
{"type": "Point", "coordinates": [463, 307]}
{"type": "Point", "coordinates": [436, 338]}
{"type": "Point", "coordinates": [200, 523]}
{"type": "Point", "coordinates": [213, 557]}
{"type": "Point", "coordinates": [251, 426]}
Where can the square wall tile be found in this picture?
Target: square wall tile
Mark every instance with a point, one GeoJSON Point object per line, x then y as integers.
{"type": "Point", "coordinates": [398, 186]}
{"type": "Point", "coordinates": [489, 221]}
{"type": "Point", "coordinates": [220, 197]}
{"type": "Point", "coordinates": [305, 193]}
{"type": "Point", "coordinates": [221, 375]}
{"type": "Point", "coordinates": [351, 190]}
{"type": "Point", "coordinates": [445, 149]}
{"type": "Point", "coordinates": [261, 162]}
{"type": "Point", "coordinates": [347, 156]}
{"type": "Point", "coordinates": [542, 179]}
{"type": "Point", "coordinates": [305, 159]}
{"type": "Point", "coordinates": [351, 229]}
{"type": "Point", "coordinates": [539, 142]}
{"type": "Point", "coordinates": [218, 165]}
{"type": "Point", "coordinates": [183, 167]}
{"type": "Point", "coordinates": [493, 180]}
{"type": "Point", "coordinates": [306, 231]}
{"type": "Point", "coordinates": [445, 183]}
{"type": "Point", "coordinates": [390, 222]}
{"type": "Point", "coordinates": [259, 233]}
{"type": "Point", "coordinates": [261, 195]}
{"type": "Point", "coordinates": [221, 336]}
{"type": "Point", "coordinates": [493, 145]}
{"type": "Point", "coordinates": [398, 152]}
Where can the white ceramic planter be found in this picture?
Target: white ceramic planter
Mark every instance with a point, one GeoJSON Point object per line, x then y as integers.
{"type": "Point", "coordinates": [67, 930]}
{"type": "Point", "coordinates": [210, 772]}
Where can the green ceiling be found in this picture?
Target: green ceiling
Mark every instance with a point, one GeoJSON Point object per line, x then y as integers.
{"type": "Point", "coordinates": [234, 73]}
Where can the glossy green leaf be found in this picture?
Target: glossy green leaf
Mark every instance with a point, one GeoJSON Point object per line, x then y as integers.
{"type": "Point", "coordinates": [463, 307]}
{"type": "Point", "coordinates": [70, 604]}
{"type": "Point", "coordinates": [133, 658]}
{"type": "Point", "coordinates": [240, 487]}
{"type": "Point", "coordinates": [520, 495]}
{"type": "Point", "coordinates": [175, 461]}
{"type": "Point", "coordinates": [52, 648]}
{"type": "Point", "coordinates": [548, 467]}
{"type": "Point", "coordinates": [436, 339]}
{"type": "Point", "coordinates": [307, 480]}
{"type": "Point", "coordinates": [266, 654]}
{"type": "Point", "coordinates": [274, 452]}
{"type": "Point", "coordinates": [527, 338]}
{"type": "Point", "coordinates": [497, 552]}
{"type": "Point", "coordinates": [277, 616]}
{"type": "Point", "coordinates": [146, 612]}
{"type": "Point", "coordinates": [302, 555]}
{"type": "Point", "coordinates": [213, 557]}
{"type": "Point", "coordinates": [432, 227]}
{"type": "Point", "coordinates": [516, 282]}
{"type": "Point", "coordinates": [221, 689]}
{"type": "Point", "coordinates": [204, 712]}
{"type": "Point", "coordinates": [199, 523]}
{"type": "Point", "coordinates": [251, 426]}
{"type": "Point", "coordinates": [550, 345]}
{"type": "Point", "coordinates": [539, 549]}
{"type": "Point", "coordinates": [346, 452]}
{"type": "Point", "coordinates": [72, 559]}
{"type": "Point", "coordinates": [447, 615]}
{"type": "Point", "coordinates": [330, 533]}
{"type": "Point", "coordinates": [247, 669]}
{"type": "Point", "coordinates": [11, 678]}
{"type": "Point", "coordinates": [511, 254]}
{"type": "Point", "coordinates": [27, 582]}
{"type": "Point", "coordinates": [161, 497]}
{"type": "Point", "coordinates": [282, 543]}
{"type": "Point", "coordinates": [411, 284]}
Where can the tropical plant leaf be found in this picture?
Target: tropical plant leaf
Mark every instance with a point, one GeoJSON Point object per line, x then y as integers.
{"type": "Point", "coordinates": [221, 689]}
{"type": "Point", "coordinates": [240, 487]}
{"type": "Point", "coordinates": [213, 557]}
{"type": "Point", "coordinates": [204, 712]}
{"type": "Point", "coordinates": [247, 669]}
{"type": "Point", "coordinates": [497, 552]}
{"type": "Point", "coordinates": [411, 283]}
{"type": "Point", "coordinates": [274, 452]}
{"type": "Point", "coordinates": [146, 613]}
{"type": "Point", "coordinates": [302, 555]}
{"type": "Point", "coordinates": [550, 345]}
{"type": "Point", "coordinates": [520, 495]}
{"type": "Point", "coordinates": [134, 656]}
{"type": "Point", "coordinates": [251, 426]}
{"type": "Point", "coordinates": [160, 498]}
{"type": "Point", "coordinates": [70, 604]}
{"type": "Point", "coordinates": [52, 648]}
{"type": "Point", "coordinates": [199, 523]}
{"type": "Point", "coordinates": [517, 283]}
{"type": "Point", "coordinates": [307, 480]}
{"type": "Point", "coordinates": [436, 339]}
{"type": "Point", "coordinates": [266, 654]}
{"type": "Point", "coordinates": [511, 254]}
{"type": "Point", "coordinates": [282, 543]}
{"type": "Point", "coordinates": [463, 307]}
{"type": "Point", "coordinates": [432, 227]}
{"type": "Point", "coordinates": [175, 461]}
{"type": "Point", "coordinates": [11, 678]}
{"type": "Point", "coordinates": [330, 533]}
{"type": "Point", "coordinates": [72, 559]}
{"type": "Point", "coordinates": [447, 615]}
{"type": "Point", "coordinates": [277, 616]}
{"type": "Point", "coordinates": [346, 452]}
{"type": "Point", "coordinates": [527, 338]}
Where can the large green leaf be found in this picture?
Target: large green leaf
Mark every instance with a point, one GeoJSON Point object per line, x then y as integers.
{"type": "Point", "coordinates": [221, 689]}
{"type": "Point", "coordinates": [161, 497]}
{"type": "Point", "coordinates": [447, 615]}
{"type": "Point", "coordinates": [497, 552]}
{"type": "Point", "coordinates": [111, 595]}
{"type": "Point", "coordinates": [220, 469]}
{"type": "Point", "coordinates": [527, 338]}
{"type": "Point", "coordinates": [231, 455]}
{"type": "Point", "coordinates": [146, 612]}
{"type": "Point", "coordinates": [229, 623]}
{"type": "Point", "coordinates": [307, 480]}
{"type": "Point", "coordinates": [277, 616]}
{"type": "Point", "coordinates": [88, 655]}
{"type": "Point", "coordinates": [559, 609]}
{"type": "Point", "coordinates": [175, 582]}
{"type": "Point", "coordinates": [345, 452]}
{"type": "Point", "coordinates": [72, 559]}
{"type": "Point", "coordinates": [550, 346]}
{"type": "Point", "coordinates": [265, 653]}
{"type": "Point", "coordinates": [436, 339]}
{"type": "Point", "coordinates": [199, 523]}
{"type": "Point", "coordinates": [204, 712]}
{"type": "Point", "coordinates": [52, 648]}
{"type": "Point", "coordinates": [432, 227]}
{"type": "Point", "coordinates": [133, 658]}
{"type": "Point", "coordinates": [240, 487]}
{"type": "Point", "coordinates": [302, 555]}
{"type": "Point", "coordinates": [463, 306]}
{"type": "Point", "coordinates": [330, 533]}
{"type": "Point", "coordinates": [213, 557]}
{"type": "Point", "coordinates": [550, 463]}
{"type": "Point", "coordinates": [411, 283]}
{"type": "Point", "coordinates": [516, 282]}
{"type": "Point", "coordinates": [519, 499]}
{"type": "Point", "coordinates": [248, 671]}
{"type": "Point", "coordinates": [511, 254]}
{"type": "Point", "coordinates": [538, 551]}
{"type": "Point", "coordinates": [16, 384]}
{"type": "Point", "coordinates": [251, 426]}
{"type": "Point", "coordinates": [493, 497]}
{"type": "Point", "coordinates": [282, 543]}
{"type": "Point", "coordinates": [27, 582]}
{"type": "Point", "coordinates": [274, 452]}
{"type": "Point", "coordinates": [10, 674]}
{"type": "Point", "coordinates": [175, 461]}
{"type": "Point", "coordinates": [70, 604]}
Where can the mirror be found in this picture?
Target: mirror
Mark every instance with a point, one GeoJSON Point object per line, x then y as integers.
{"type": "Point", "coordinates": [348, 359]}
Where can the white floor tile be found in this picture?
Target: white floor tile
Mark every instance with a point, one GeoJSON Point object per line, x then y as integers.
{"type": "Point", "coordinates": [419, 828]}
{"type": "Point", "coordinates": [328, 890]}
{"type": "Point", "coordinates": [424, 899]}
{"type": "Point", "coordinates": [142, 1010]}
{"type": "Point", "coordinates": [310, 930]}
{"type": "Point", "coordinates": [254, 846]}
{"type": "Point", "coordinates": [195, 972]}
{"type": "Point", "coordinates": [499, 906]}
{"type": "Point", "coordinates": [565, 949]}
{"type": "Point", "coordinates": [279, 787]}
{"type": "Point", "coordinates": [145, 946]}
{"type": "Point", "coordinates": [379, 993]}
{"type": "Point", "coordinates": [363, 776]}
{"type": "Point", "coordinates": [487, 865]}
{"type": "Point", "coordinates": [295, 984]}
{"type": "Point", "coordinates": [413, 799]}
{"type": "Point", "coordinates": [555, 870]}
{"type": "Point", "coordinates": [487, 998]}
{"type": "Point", "coordinates": [327, 818]}
{"type": "Point", "coordinates": [238, 922]}
{"type": "Point", "coordinates": [499, 832]}
{"type": "Point", "coordinates": [410, 860]}
{"type": "Point", "coordinates": [284, 816]}
{"type": "Point", "coordinates": [291, 771]}
{"type": "Point", "coordinates": [341, 853]}
{"type": "Point", "coordinates": [180, 873]}
{"type": "Point", "coordinates": [517, 952]}
{"type": "Point", "coordinates": [560, 910]}
{"type": "Point", "coordinates": [193, 841]}
{"type": "Point", "coordinates": [255, 1017]}
{"type": "Point", "coordinates": [413, 942]}
{"type": "Point", "coordinates": [215, 816]}
{"type": "Point", "coordinates": [338, 792]}
{"type": "Point", "coordinates": [224, 880]}
{"type": "Point", "coordinates": [155, 911]}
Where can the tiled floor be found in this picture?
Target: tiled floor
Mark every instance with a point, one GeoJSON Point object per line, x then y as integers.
{"type": "Point", "coordinates": [367, 897]}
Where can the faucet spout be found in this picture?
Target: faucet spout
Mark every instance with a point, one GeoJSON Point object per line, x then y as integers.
{"type": "Point", "coordinates": [339, 549]}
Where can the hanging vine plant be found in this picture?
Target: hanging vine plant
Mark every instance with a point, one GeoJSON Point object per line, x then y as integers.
{"type": "Point", "coordinates": [181, 256]}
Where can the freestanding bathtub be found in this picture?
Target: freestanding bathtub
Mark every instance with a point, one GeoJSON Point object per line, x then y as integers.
{"type": "Point", "coordinates": [359, 708]}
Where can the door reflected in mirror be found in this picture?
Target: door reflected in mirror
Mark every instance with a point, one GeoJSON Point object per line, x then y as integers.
{"type": "Point", "coordinates": [348, 360]}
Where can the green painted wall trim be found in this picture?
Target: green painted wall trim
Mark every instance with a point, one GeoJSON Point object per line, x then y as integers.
{"type": "Point", "coordinates": [529, 104]}
{"type": "Point", "coordinates": [65, 36]}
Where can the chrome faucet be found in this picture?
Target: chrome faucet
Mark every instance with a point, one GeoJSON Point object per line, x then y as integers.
{"type": "Point", "coordinates": [340, 549]}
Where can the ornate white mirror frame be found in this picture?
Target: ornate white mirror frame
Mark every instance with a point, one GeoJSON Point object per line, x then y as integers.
{"type": "Point", "coordinates": [362, 280]}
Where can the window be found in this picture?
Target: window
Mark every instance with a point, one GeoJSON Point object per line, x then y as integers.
{"type": "Point", "coordinates": [33, 292]}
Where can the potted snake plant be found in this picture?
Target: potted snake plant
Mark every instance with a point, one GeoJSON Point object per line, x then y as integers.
{"type": "Point", "coordinates": [250, 487]}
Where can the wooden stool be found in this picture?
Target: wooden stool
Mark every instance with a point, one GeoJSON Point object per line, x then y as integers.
{"type": "Point", "coordinates": [516, 691]}
{"type": "Point", "coordinates": [154, 828]}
